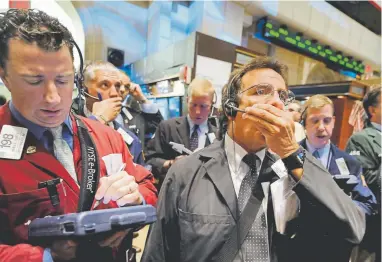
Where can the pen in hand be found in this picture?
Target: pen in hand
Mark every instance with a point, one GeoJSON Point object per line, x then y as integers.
{"type": "Point", "coordinates": [96, 204]}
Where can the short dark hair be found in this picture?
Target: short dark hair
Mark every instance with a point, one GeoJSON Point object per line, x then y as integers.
{"type": "Point", "coordinates": [32, 26]}
{"type": "Point", "coordinates": [371, 99]}
{"type": "Point", "coordinates": [231, 89]}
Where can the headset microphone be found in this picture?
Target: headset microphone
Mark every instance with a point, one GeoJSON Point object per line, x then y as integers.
{"type": "Point", "coordinates": [231, 108]}
{"type": "Point", "coordinates": [99, 98]}
{"type": "Point", "coordinates": [79, 81]}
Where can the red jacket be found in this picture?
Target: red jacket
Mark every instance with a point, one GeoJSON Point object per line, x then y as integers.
{"type": "Point", "coordinates": [21, 201]}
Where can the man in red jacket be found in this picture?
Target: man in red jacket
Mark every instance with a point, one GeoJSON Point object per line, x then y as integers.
{"type": "Point", "coordinates": [39, 142]}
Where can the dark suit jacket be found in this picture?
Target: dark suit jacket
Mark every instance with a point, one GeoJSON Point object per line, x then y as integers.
{"type": "Point", "coordinates": [197, 211]}
{"type": "Point", "coordinates": [135, 147]}
{"type": "Point", "coordinates": [142, 124]}
{"type": "Point", "coordinates": [360, 194]}
{"type": "Point", "coordinates": [159, 150]}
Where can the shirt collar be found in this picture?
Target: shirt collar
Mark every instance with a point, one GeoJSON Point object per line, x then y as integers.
{"type": "Point", "coordinates": [377, 126]}
{"type": "Point", "coordinates": [37, 131]}
{"type": "Point", "coordinates": [235, 153]}
{"type": "Point", "coordinates": [124, 102]}
{"type": "Point", "coordinates": [321, 151]}
{"type": "Point", "coordinates": [202, 127]}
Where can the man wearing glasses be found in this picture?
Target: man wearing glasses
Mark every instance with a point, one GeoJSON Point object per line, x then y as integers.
{"type": "Point", "coordinates": [192, 131]}
{"type": "Point", "coordinates": [237, 201]}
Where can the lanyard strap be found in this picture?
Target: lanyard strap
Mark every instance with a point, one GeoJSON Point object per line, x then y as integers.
{"type": "Point", "coordinates": [329, 158]}
{"type": "Point", "coordinates": [90, 167]}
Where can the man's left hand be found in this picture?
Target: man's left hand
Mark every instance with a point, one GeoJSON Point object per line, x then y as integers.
{"type": "Point", "coordinates": [136, 91]}
{"type": "Point", "coordinates": [276, 125]}
{"type": "Point", "coordinates": [120, 187]}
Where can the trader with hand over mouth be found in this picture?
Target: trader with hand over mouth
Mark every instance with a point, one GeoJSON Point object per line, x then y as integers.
{"type": "Point", "coordinates": [226, 202]}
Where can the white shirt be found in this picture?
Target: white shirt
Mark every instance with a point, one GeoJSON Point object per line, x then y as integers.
{"type": "Point", "coordinates": [235, 154]}
{"type": "Point", "coordinates": [325, 155]}
{"type": "Point", "coordinates": [202, 132]}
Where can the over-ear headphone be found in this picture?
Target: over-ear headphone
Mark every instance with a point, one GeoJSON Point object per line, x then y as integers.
{"type": "Point", "coordinates": [303, 116]}
{"type": "Point", "coordinates": [79, 80]}
{"type": "Point", "coordinates": [214, 100]}
{"type": "Point", "coordinates": [231, 106]}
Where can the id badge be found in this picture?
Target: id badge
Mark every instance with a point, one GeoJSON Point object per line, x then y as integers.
{"type": "Point", "coordinates": [12, 140]}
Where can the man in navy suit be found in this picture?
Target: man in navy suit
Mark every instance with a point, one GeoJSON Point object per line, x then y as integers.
{"type": "Point", "coordinates": [318, 119]}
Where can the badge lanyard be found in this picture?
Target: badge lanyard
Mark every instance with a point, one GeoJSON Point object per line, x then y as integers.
{"type": "Point", "coordinates": [90, 167]}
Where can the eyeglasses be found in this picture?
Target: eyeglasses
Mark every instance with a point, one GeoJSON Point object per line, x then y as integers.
{"type": "Point", "coordinates": [286, 96]}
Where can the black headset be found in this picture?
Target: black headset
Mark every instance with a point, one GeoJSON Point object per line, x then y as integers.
{"type": "Point", "coordinates": [231, 106]}
{"type": "Point", "coordinates": [303, 116]}
{"type": "Point", "coordinates": [79, 80]}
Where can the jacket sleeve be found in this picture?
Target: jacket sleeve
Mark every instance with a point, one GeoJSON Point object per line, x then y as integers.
{"type": "Point", "coordinates": [370, 166]}
{"type": "Point", "coordinates": [163, 242]}
{"type": "Point", "coordinates": [151, 122]}
{"type": "Point", "coordinates": [362, 195]}
{"type": "Point", "coordinates": [143, 177]}
{"type": "Point", "coordinates": [157, 152]}
{"type": "Point", "coordinates": [21, 253]}
{"type": "Point", "coordinates": [320, 197]}
{"type": "Point", "coordinates": [136, 150]}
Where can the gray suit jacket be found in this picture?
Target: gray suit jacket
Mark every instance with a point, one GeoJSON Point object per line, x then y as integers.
{"type": "Point", "coordinates": [365, 146]}
{"type": "Point", "coordinates": [197, 211]}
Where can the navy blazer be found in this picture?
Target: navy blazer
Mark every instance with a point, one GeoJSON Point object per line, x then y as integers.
{"type": "Point", "coordinates": [135, 147]}
{"type": "Point", "coordinates": [361, 194]}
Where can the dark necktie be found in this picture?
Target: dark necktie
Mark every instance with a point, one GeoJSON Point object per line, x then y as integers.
{"type": "Point", "coordinates": [255, 246]}
{"type": "Point", "coordinates": [194, 140]}
{"type": "Point", "coordinates": [316, 154]}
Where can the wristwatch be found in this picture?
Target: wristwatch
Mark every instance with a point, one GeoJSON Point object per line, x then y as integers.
{"type": "Point", "coordinates": [295, 160]}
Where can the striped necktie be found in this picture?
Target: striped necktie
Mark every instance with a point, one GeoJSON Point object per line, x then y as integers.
{"type": "Point", "coordinates": [62, 151]}
{"type": "Point", "coordinates": [194, 140]}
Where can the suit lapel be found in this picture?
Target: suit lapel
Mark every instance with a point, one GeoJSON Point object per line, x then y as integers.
{"type": "Point", "coordinates": [376, 138]}
{"type": "Point", "coordinates": [46, 162]}
{"type": "Point", "coordinates": [182, 128]}
{"type": "Point", "coordinates": [375, 134]}
{"type": "Point", "coordinates": [218, 170]}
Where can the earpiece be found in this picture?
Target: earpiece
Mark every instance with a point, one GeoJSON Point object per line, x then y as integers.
{"type": "Point", "coordinates": [302, 119]}
{"type": "Point", "coordinates": [231, 106]}
{"type": "Point", "coordinates": [79, 80]}
{"type": "Point", "coordinates": [231, 109]}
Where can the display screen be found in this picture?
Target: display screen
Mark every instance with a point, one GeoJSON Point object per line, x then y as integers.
{"type": "Point", "coordinates": [174, 106]}
{"type": "Point", "coordinates": [168, 106]}
{"type": "Point", "coordinates": [295, 41]}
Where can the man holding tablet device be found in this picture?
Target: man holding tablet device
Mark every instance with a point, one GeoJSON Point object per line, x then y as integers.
{"type": "Point", "coordinates": [53, 162]}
